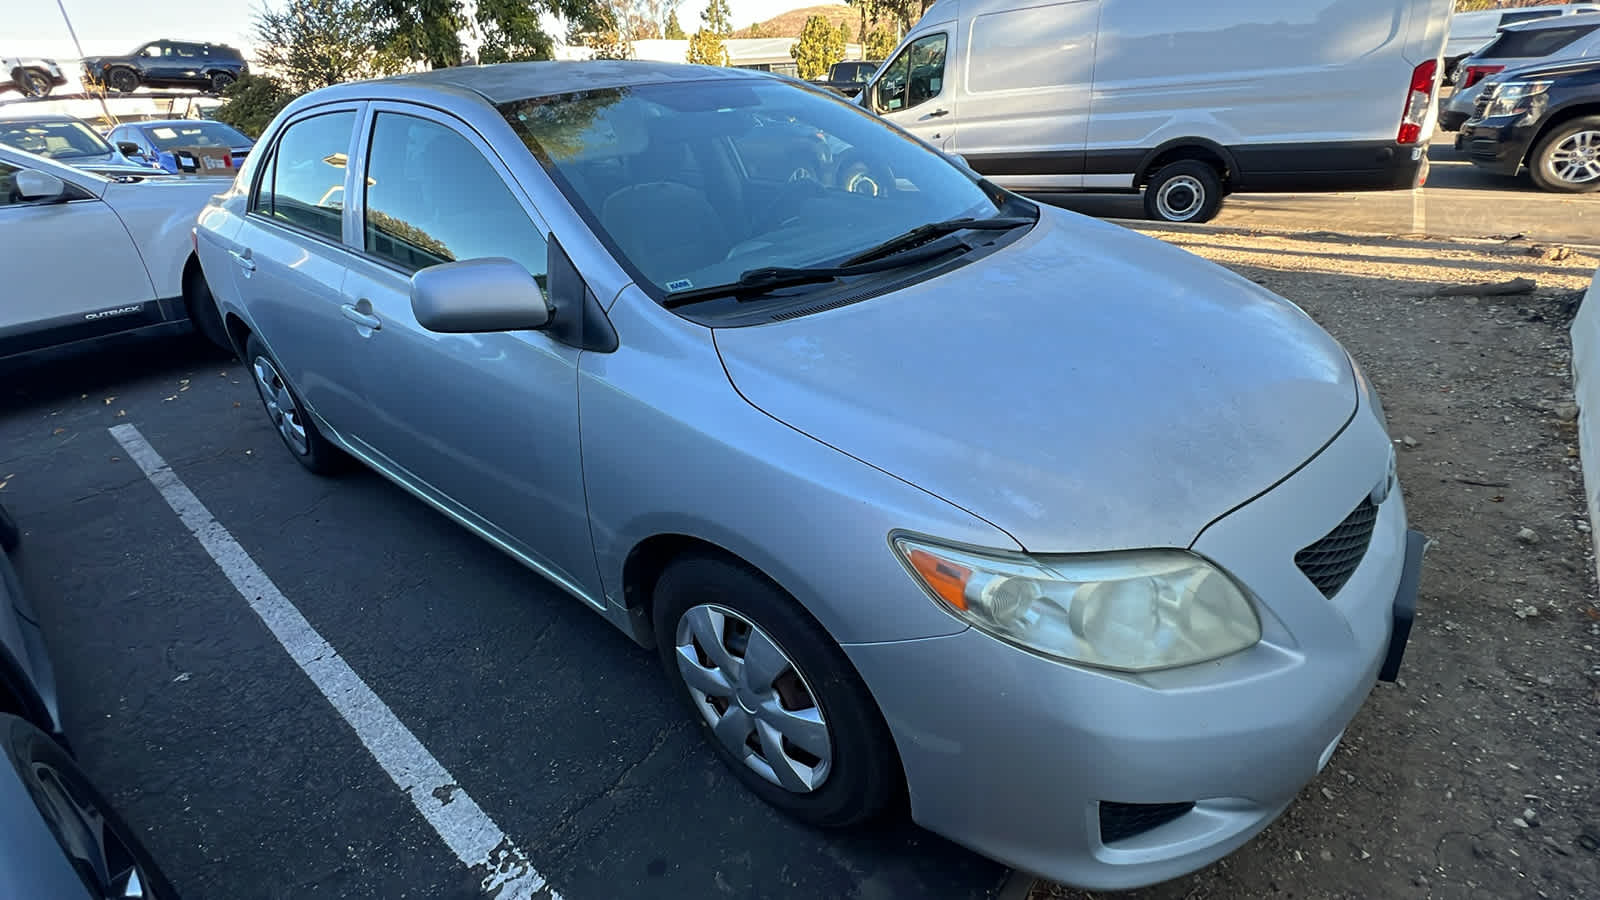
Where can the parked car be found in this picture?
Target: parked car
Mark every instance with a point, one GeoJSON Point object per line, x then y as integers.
{"type": "Point", "coordinates": [62, 838]}
{"type": "Point", "coordinates": [848, 77]}
{"type": "Point", "coordinates": [1545, 117]}
{"type": "Point", "coordinates": [30, 76]}
{"type": "Point", "coordinates": [1471, 31]}
{"type": "Point", "coordinates": [136, 236]}
{"type": "Point", "coordinates": [1190, 101]}
{"type": "Point", "coordinates": [1090, 547]}
{"type": "Point", "coordinates": [159, 141]}
{"type": "Point", "coordinates": [1516, 46]}
{"type": "Point", "coordinates": [168, 64]}
{"type": "Point", "coordinates": [71, 141]}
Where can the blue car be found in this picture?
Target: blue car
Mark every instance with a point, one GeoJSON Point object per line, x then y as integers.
{"type": "Point", "coordinates": [157, 142]}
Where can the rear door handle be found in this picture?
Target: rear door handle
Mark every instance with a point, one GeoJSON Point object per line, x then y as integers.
{"type": "Point", "coordinates": [937, 113]}
{"type": "Point", "coordinates": [365, 320]}
{"type": "Point", "coordinates": [243, 259]}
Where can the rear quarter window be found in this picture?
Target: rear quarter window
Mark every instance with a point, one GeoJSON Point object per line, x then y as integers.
{"type": "Point", "coordinates": [1527, 15]}
{"type": "Point", "coordinates": [1538, 43]}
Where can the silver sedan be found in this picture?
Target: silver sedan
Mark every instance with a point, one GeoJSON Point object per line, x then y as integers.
{"type": "Point", "coordinates": [1088, 548]}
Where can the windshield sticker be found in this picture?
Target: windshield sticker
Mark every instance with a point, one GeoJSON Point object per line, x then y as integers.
{"type": "Point", "coordinates": [682, 284]}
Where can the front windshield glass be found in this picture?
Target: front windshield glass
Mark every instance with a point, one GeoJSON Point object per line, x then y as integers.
{"type": "Point", "coordinates": [195, 134]}
{"type": "Point", "coordinates": [57, 140]}
{"type": "Point", "coordinates": [694, 183]}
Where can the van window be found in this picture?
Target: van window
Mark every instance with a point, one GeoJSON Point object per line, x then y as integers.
{"type": "Point", "coordinates": [1041, 46]}
{"type": "Point", "coordinates": [1535, 44]}
{"type": "Point", "coordinates": [915, 76]}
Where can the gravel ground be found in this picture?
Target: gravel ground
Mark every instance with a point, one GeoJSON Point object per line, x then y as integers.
{"type": "Point", "coordinates": [1479, 774]}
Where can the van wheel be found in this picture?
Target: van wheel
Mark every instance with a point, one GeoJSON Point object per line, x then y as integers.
{"type": "Point", "coordinates": [1567, 160]}
{"type": "Point", "coordinates": [1184, 191]}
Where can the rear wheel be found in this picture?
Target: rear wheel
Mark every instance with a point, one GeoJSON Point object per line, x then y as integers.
{"type": "Point", "coordinates": [288, 414]}
{"type": "Point", "coordinates": [202, 307]}
{"type": "Point", "coordinates": [1185, 191]}
{"type": "Point", "coordinates": [35, 83]}
{"type": "Point", "coordinates": [220, 82]}
{"type": "Point", "coordinates": [123, 81]}
{"type": "Point", "coordinates": [1567, 160]}
{"type": "Point", "coordinates": [775, 696]}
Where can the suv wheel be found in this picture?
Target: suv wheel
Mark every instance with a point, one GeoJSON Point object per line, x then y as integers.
{"type": "Point", "coordinates": [123, 81]}
{"type": "Point", "coordinates": [220, 82]}
{"type": "Point", "coordinates": [1567, 160]}
{"type": "Point", "coordinates": [35, 83]}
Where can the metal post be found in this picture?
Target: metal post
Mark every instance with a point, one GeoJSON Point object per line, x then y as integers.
{"type": "Point", "coordinates": [111, 121]}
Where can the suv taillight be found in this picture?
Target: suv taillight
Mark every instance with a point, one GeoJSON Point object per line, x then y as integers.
{"type": "Point", "coordinates": [1476, 74]}
{"type": "Point", "coordinates": [1418, 100]}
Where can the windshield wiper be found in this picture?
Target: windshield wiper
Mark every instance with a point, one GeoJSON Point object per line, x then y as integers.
{"type": "Point", "coordinates": [923, 233]}
{"type": "Point", "coordinates": [754, 282]}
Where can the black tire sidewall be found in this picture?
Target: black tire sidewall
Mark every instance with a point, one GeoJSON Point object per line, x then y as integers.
{"type": "Point", "coordinates": [1538, 161]}
{"type": "Point", "coordinates": [322, 457]}
{"type": "Point", "coordinates": [865, 778]}
{"type": "Point", "coordinates": [220, 82]}
{"type": "Point", "coordinates": [25, 745]}
{"type": "Point", "coordinates": [31, 77]}
{"type": "Point", "coordinates": [1202, 172]}
{"type": "Point", "coordinates": [116, 78]}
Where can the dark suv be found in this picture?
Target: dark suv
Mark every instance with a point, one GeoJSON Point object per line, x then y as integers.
{"type": "Point", "coordinates": [1544, 116]}
{"type": "Point", "coordinates": [167, 63]}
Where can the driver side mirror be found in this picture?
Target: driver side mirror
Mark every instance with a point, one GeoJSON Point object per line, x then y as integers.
{"type": "Point", "coordinates": [478, 295]}
{"type": "Point", "coordinates": [33, 185]}
{"type": "Point", "coordinates": [129, 148]}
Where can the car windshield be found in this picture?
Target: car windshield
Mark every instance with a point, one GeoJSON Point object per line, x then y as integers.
{"type": "Point", "coordinates": [57, 140]}
{"type": "Point", "coordinates": [692, 184]}
{"type": "Point", "coordinates": [194, 134]}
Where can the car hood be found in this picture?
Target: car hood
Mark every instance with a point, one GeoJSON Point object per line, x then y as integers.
{"type": "Point", "coordinates": [1084, 389]}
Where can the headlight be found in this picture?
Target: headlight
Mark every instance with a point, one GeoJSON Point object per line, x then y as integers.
{"type": "Point", "coordinates": [1511, 98]}
{"type": "Point", "coordinates": [1131, 611]}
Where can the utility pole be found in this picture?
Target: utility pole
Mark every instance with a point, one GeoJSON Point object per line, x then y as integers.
{"type": "Point", "coordinates": [104, 107]}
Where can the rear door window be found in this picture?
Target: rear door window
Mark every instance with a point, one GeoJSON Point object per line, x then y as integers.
{"type": "Point", "coordinates": [302, 185]}
{"type": "Point", "coordinates": [1537, 43]}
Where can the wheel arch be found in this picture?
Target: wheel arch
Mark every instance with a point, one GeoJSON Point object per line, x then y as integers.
{"type": "Point", "coordinates": [1200, 149]}
{"type": "Point", "coordinates": [1560, 117]}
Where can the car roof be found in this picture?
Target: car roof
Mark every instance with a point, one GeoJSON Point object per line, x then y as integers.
{"type": "Point", "coordinates": [1568, 21]}
{"type": "Point", "coordinates": [173, 122]}
{"type": "Point", "coordinates": [42, 117]}
{"type": "Point", "coordinates": [506, 82]}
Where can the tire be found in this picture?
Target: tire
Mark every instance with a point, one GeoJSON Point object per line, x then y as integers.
{"type": "Point", "coordinates": [287, 414]}
{"type": "Point", "coordinates": [104, 848]}
{"type": "Point", "coordinates": [220, 82]}
{"type": "Point", "coordinates": [816, 692]}
{"type": "Point", "coordinates": [1567, 159]}
{"type": "Point", "coordinates": [123, 81]}
{"type": "Point", "coordinates": [34, 83]}
{"type": "Point", "coordinates": [1185, 191]}
{"type": "Point", "coordinates": [10, 534]}
{"type": "Point", "coordinates": [203, 314]}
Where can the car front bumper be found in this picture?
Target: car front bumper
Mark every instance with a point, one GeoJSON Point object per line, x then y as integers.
{"type": "Point", "coordinates": [1498, 144]}
{"type": "Point", "coordinates": [1027, 760]}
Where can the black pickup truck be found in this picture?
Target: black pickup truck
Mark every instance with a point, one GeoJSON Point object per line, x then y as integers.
{"type": "Point", "coordinates": [1545, 116]}
{"type": "Point", "coordinates": [849, 77]}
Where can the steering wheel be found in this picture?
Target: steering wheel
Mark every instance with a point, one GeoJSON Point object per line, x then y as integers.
{"type": "Point", "coordinates": [801, 186]}
{"type": "Point", "coordinates": [856, 175]}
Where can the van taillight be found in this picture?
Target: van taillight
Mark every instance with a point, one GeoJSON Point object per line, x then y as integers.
{"type": "Point", "coordinates": [1476, 74]}
{"type": "Point", "coordinates": [1418, 101]}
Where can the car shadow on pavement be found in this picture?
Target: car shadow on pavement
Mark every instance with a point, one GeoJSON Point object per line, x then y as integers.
{"type": "Point", "coordinates": [84, 368]}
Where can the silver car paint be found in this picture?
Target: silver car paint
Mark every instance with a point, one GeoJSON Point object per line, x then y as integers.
{"type": "Point", "coordinates": [1465, 101]}
{"type": "Point", "coordinates": [1010, 756]}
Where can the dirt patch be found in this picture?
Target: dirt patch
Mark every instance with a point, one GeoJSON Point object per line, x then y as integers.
{"type": "Point", "coordinates": [1479, 774]}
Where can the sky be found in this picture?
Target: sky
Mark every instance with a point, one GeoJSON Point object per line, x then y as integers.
{"type": "Point", "coordinates": [35, 28]}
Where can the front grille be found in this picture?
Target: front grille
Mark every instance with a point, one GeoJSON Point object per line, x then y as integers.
{"type": "Point", "coordinates": [1330, 562]}
{"type": "Point", "coordinates": [1120, 821]}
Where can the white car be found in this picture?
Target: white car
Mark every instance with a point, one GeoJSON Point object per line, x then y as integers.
{"type": "Point", "coordinates": [86, 256]}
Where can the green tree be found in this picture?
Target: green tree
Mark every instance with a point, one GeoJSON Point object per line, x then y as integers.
{"type": "Point", "coordinates": [756, 31]}
{"type": "Point", "coordinates": [880, 43]}
{"type": "Point", "coordinates": [718, 18]}
{"type": "Point", "coordinates": [251, 102]}
{"type": "Point", "coordinates": [706, 48]}
{"type": "Point", "coordinates": [674, 31]}
{"type": "Point", "coordinates": [905, 13]}
{"type": "Point", "coordinates": [429, 31]}
{"type": "Point", "coordinates": [844, 35]}
{"type": "Point", "coordinates": [819, 47]}
{"type": "Point", "coordinates": [308, 44]}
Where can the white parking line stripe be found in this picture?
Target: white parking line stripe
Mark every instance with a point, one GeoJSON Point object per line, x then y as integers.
{"type": "Point", "coordinates": [465, 828]}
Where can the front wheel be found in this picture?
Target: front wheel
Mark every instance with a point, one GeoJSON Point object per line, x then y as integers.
{"type": "Point", "coordinates": [775, 696]}
{"type": "Point", "coordinates": [1184, 191]}
{"type": "Point", "coordinates": [288, 414]}
{"type": "Point", "coordinates": [1567, 160]}
{"type": "Point", "coordinates": [123, 81]}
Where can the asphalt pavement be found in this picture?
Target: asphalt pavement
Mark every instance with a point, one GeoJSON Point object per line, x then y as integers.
{"type": "Point", "coordinates": [245, 781]}
{"type": "Point", "coordinates": [1459, 201]}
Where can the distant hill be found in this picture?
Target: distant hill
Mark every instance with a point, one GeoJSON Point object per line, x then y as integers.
{"type": "Point", "coordinates": [790, 23]}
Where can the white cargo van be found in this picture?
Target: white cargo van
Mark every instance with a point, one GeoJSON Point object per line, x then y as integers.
{"type": "Point", "coordinates": [1189, 101]}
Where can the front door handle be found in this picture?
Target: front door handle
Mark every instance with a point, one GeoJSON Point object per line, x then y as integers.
{"type": "Point", "coordinates": [365, 320]}
{"type": "Point", "coordinates": [937, 113]}
{"type": "Point", "coordinates": [243, 259]}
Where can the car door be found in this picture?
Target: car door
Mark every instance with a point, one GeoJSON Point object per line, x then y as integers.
{"type": "Point", "coordinates": [484, 424]}
{"type": "Point", "coordinates": [289, 261]}
{"type": "Point", "coordinates": [910, 89]}
{"type": "Point", "coordinates": [49, 295]}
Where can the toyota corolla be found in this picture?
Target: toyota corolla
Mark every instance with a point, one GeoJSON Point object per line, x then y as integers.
{"type": "Point", "coordinates": [1082, 548]}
